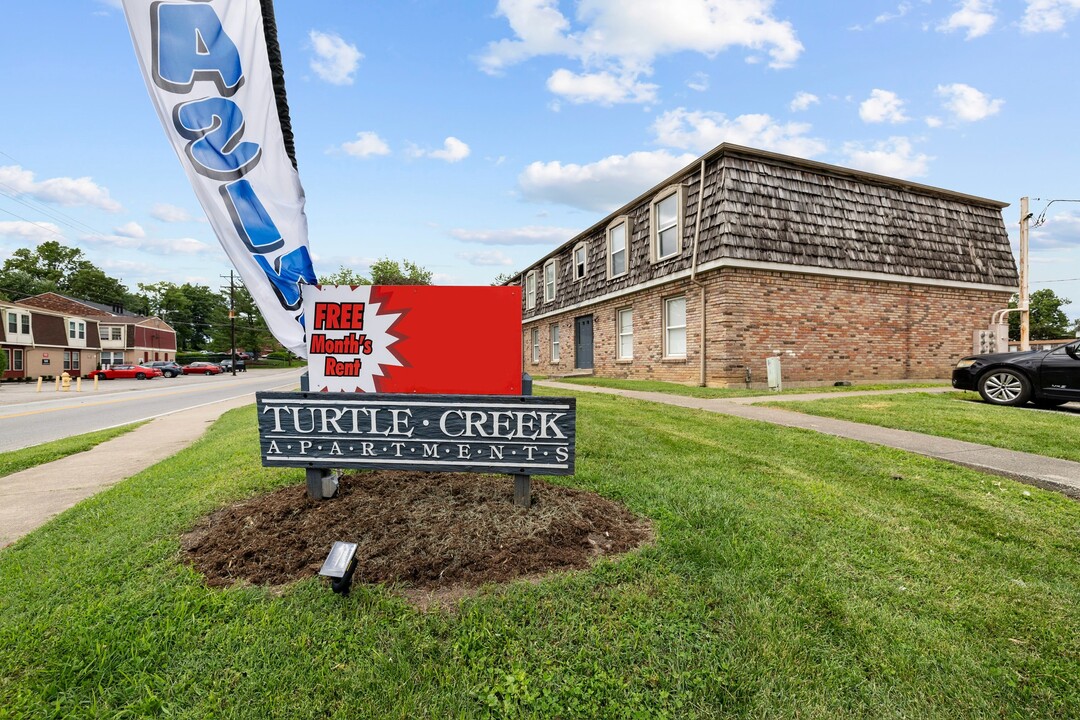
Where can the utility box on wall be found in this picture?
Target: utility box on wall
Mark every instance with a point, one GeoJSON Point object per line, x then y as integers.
{"type": "Point", "coordinates": [994, 339]}
{"type": "Point", "coordinates": [772, 371]}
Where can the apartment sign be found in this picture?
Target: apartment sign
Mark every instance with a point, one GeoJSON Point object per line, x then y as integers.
{"type": "Point", "coordinates": [522, 435]}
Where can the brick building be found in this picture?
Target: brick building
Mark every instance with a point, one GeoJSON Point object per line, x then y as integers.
{"type": "Point", "coordinates": [746, 254]}
{"type": "Point", "coordinates": [48, 334]}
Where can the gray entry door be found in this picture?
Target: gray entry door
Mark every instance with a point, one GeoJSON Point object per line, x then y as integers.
{"type": "Point", "coordinates": [583, 354]}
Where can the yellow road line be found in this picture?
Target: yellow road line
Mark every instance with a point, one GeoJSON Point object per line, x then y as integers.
{"type": "Point", "coordinates": [137, 396]}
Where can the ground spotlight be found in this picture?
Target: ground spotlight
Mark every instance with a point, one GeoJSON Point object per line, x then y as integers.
{"type": "Point", "coordinates": [339, 566]}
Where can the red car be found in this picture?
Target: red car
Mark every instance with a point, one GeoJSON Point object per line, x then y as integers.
{"type": "Point", "coordinates": [139, 372]}
{"type": "Point", "coordinates": [201, 368]}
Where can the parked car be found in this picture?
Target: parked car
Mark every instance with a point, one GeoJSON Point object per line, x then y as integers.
{"type": "Point", "coordinates": [226, 365]}
{"type": "Point", "coordinates": [139, 372]}
{"type": "Point", "coordinates": [1047, 378]}
{"type": "Point", "coordinates": [168, 368]}
{"type": "Point", "coordinates": [201, 368]}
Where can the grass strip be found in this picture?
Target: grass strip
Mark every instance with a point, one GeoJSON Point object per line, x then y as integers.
{"type": "Point", "coordinates": [794, 575]}
{"type": "Point", "coordinates": [958, 415]}
{"type": "Point", "coordinates": [707, 392]}
{"type": "Point", "coordinates": [14, 461]}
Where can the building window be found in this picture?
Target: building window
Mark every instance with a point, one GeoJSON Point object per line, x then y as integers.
{"type": "Point", "coordinates": [71, 360]}
{"type": "Point", "coordinates": [17, 359]}
{"type": "Point", "coordinates": [530, 290]}
{"type": "Point", "coordinates": [664, 219]}
{"type": "Point", "coordinates": [25, 324]}
{"type": "Point", "coordinates": [117, 334]}
{"type": "Point", "coordinates": [71, 329]}
{"type": "Point", "coordinates": [625, 324]}
{"type": "Point", "coordinates": [675, 327]}
{"type": "Point", "coordinates": [82, 331]}
{"type": "Point", "coordinates": [534, 336]}
{"type": "Point", "coordinates": [549, 281]}
{"type": "Point", "coordinates": [616, 245]}
{"type": "Point", "coordinates": [12, 323]}
{"type": "Point", "coordinates": [111, 358]}
{"type": "Point", "coordinates": [103, 332]}
{"type": "Point", "coordinates": [581, 257]}
{"type": "Point", "coordinates": [555, 343]}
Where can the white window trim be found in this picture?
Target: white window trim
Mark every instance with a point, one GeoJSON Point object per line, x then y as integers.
{"type": "Point", "coordinates": [18, 360]}
{"type": "Point", "coordinates": [585, 265]}
{"type": "Point", "coordinates": [530, 290]}
{"type": "Point", "coordinates": [549, 286]}
{"type": "Point", "coordinates": [621, 220]}
{"type": "Point", "coordinates": [667, 328]}
{"type": "Point", "coordinates": [654, 219]}
{"type": "Point", "coordinates": [619, 334]}
{"type": "Point", "coordinates": [534, 341]}
{"type": "Point", "coordinates": [555, 337]}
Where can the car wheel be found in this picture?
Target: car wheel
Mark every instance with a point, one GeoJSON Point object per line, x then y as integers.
{"type": "Point", "coordinates": [140, 376]}
{"type": "Point", "coordinates": [1004, 387]}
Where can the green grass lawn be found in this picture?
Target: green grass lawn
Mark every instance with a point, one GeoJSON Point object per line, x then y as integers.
{"type": "Point", "coordinates": [794, 575]}
{"type": "Point", "coordinates": [700, 392]}
{"type": "Point", "coordinates": [16, 460]}
{"type": "Point", "coordinates": [958, 415]}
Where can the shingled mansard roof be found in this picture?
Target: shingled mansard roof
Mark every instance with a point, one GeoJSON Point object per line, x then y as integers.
{"type": "Point", "coordinates": [762, 207]}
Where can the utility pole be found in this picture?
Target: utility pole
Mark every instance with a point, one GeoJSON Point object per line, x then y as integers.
{"type": "Point", "coordinates": [232, 321]}
{"type": "Point", "coordinates": [1025, 315]}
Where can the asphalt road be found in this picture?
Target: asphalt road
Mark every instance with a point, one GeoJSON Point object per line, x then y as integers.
{"type": "Point", "coordinates": [28, 417]}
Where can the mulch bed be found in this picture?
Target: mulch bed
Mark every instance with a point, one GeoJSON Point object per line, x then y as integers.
{"type": "Point", "coordinates": [423, 533]}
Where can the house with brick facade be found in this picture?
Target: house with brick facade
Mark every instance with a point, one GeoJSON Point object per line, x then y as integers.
{"type": "Point", "coordinates": [48, 334]}
{"type": "Point", "coordinates": [746, 255]}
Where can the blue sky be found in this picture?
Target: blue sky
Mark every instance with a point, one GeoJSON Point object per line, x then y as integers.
{"type": "Point", "coordinates": [471, 137]}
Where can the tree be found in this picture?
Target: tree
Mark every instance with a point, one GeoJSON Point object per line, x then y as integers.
{"type": "Point", "coordinates": [1047, 320]}
{"type": "Point", "coordinates": [3, 362]}
{"type": "Point", "coordinates": [502, 279]}
{"type": "Point", "coordinates": [383, 272]}
{"type": "Point", "coordinates": [52, 267]}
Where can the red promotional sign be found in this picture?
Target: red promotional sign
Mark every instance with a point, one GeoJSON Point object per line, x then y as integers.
{"type": "Point", "coordinates": [414, 339]}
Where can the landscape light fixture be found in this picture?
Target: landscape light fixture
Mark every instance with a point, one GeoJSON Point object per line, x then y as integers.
{"type": "Point", "coordinates": [339, 566]}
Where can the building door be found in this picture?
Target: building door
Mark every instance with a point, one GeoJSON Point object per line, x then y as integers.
{"type": "Point", "coordinates": [583, 345]}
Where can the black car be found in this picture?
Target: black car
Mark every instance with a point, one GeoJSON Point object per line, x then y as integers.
{"type": "Point", "coordinates": [1045, 377]}
{"type": "Point", "coordinates": [227, 364]}
{"type": "Point", "coordinates": [168, 368]}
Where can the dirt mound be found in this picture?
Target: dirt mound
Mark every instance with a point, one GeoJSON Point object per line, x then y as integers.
{"type": "Point", "coordinates": [424, 532]}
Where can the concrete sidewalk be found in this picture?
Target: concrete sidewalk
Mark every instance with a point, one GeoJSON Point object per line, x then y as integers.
{"type": "Point", "coordinates": [1049, 473]}
{"type": "Point", "coordinates": [30, 498]}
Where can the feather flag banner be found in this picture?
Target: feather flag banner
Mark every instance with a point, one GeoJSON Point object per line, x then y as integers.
{"type": "Point", "coordinates": [209, 66]}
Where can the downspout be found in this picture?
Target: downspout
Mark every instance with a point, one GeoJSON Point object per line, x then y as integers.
{"type": "Point", "coordinates": [702, 382]}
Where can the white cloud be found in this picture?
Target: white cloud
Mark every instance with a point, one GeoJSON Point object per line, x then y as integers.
{"type": "Point", "coordinates": [968, 104]}
{"type": "Point", "coordinates": [895, 157]}
{"type": "Point", "coordinates": [453, 151]}
{"type": "Point", "coordinates": [621, 39]}
{"type": "Point", "coordinates": [934, 121]}
{"type": "Point", "coordinates": [130, 230]}
{"type": "Point", "coordinates": [975, 16]}
{"type": "Point", "coordinates": [901, 10]}
{"type": "Point", "coordinates": [803, 100]}
{"type": "Point", "coordinates": [602, 87]}
{"type": "Point", "coordinates": [701, 131]}
{"type": "Point", "coordinates": [603, 185]}
{"type": "Point", "coordinates": [882, 106]}
{"type": "Point", "coordinates": [171, 214]}
{"type": "Point", "coordinates": [35, 231]}
{"type": "Point", "coordinates": [699, 82]}
{"type": "Point", "coordinates": [61, 191]}
{"type": "Point", "coordinates": [176, 246]}
{"type": "Point", "coordinates": [366, 145]}
{"type": "Point", "coordinates": [335, 60]}
{"type": "Point", "coordinates": [486, 258]}
{"type": "Point", "coordinates": [1048, 15]}
{"type": "Point", "coordinates": [528, 235]}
